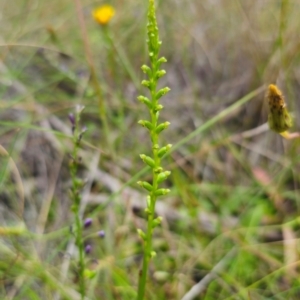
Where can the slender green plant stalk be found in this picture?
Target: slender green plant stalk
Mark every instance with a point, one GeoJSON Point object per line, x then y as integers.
{"type": "Point", "coordinates": [155, 128]}
{"type": "Point", "coordinates": [77, 185]}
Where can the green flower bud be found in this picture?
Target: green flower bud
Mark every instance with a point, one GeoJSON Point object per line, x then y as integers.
{"type": "Point", "coordinates": [146, 124]}
{"type": "Point", "coordinates": [163, 176]}
{"type": "Point", "coordinates": [162, 92]}
{"type": "Point", "coordinates": [152, 254]}
{"type": "Point", "coordinates": [148, 160]}
{"type": "Point", "coordinates": [141, 233]}
{"type": "Point", "coordinates": [158, 170]}
{"type": "Point", "coordinates": [157, 221]}
{"type": "Point", "coordinates": [146, 83]}
{"type": "Point", "coordinates": [146, 70]}
{"type": "Point", "coordinates": [147, 211]}
{"type": "Point", "coordinates": [162, 60]}
{"type": "Point", "coordinates": [145, 100]}
{"type": "Point", "coordinates": [158, 108]}
{"type": "Point", "coordinates": [164, 150]}
{"type": "Point", "coordinates": [162, 192]}
{"type": "Point", "coordinates": [160, 73]}
{"type": "Point", "coordinates": [146, 185]}
{"type": "Point", "coordinates": [161, 127]}
{"type": "Point", "coordinates": [89, 274]}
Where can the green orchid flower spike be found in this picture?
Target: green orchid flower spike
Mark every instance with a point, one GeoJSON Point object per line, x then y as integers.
{"type": "Point", "coordinates": [153, 159]}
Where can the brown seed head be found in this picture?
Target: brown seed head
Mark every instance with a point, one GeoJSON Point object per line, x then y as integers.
{"type": "Point", "coordinates": [275, 97]}
{"type": "Point", "coordinates": [279, 118]}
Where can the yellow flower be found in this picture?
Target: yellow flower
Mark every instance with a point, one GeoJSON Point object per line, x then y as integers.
{"type": "Point", "coordinates": [279, 118]}
{"type": "Point", "coordinates": [103, 14]}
